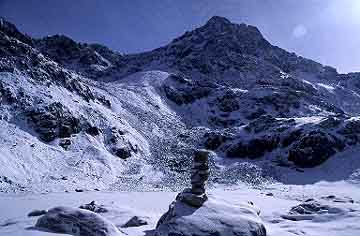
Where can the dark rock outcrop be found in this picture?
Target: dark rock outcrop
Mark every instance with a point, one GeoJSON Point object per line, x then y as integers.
{"type": "Point", "coordinates": [213, 140]}
{"type": "Point", "coordinates": [53, 121]}
{"type": "Point", "coordinates": [255, 148]}
{"type": "Point", "coordinates": [119, 145]}
{"type": "Point", "coordinates": [185, 95]}
{"type": "Point", "coordinates": [11, 30]}
{"type": "Point", "coordinates": [314, 148]}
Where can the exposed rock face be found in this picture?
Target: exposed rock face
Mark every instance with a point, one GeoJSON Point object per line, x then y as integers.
{"type": "Point", "coordinates": [228, 103]}
{"type": "Point", "coordinates": [255, 148]}
{"type": "Point", "coordinates": [213, 140]}
{"type": "Point", "coordinates": [93, 130]}
{"type": "Point", "coordinates": [11, 30]}
{"type": "Point", "coordinates": [291, 137]}
{"type": "Point", "coordinates": [351, 127]}
{"type": "Point", "coordinates": [222, 86]}
{"type": "Point", "coordinates": [306, 145]}
{"type": "Point", "coordinates": [53, 121]}
{"type": "Point", "coordinates": [91, 60]}
{"type": "Point", "coordinates": [220, 46]}
{"type": "Point", "coordinates": [119, 145]}
{"type": "Point", "coordinates": [185, 91]}
{"type": "Point", "coordinates": [314, 149]}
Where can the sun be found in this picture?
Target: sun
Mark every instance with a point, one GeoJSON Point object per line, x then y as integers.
{"type": "Point", "coordinates": [346, 11]}
{"type": "Point", "coordinates": [356, 8]}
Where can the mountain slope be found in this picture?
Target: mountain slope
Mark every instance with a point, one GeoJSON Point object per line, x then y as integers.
{"type": "Point", "coordinates": [80, 116]}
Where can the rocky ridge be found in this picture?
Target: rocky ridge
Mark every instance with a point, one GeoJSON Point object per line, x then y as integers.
{"type": "Point", "coordinates": [222, 87]}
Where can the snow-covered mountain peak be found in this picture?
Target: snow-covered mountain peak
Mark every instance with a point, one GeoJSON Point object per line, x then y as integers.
{"type": "Point", "coordinates": [222, 86]}
{"type": "Point", "coordinates": [221, 47]}
{"type": "Point", "coordinates": [225, 36]}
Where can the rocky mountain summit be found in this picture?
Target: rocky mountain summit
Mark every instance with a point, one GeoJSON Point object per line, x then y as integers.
{"type": "Point", "coordinates": [81, 116]}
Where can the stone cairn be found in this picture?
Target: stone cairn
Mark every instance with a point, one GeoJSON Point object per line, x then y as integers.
{"type": "Point", "coordinates": [196, 196]}
{"type": "Point", "coordinates": [200, 172]}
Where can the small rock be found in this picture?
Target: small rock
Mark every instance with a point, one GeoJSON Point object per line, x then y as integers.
{"type": "Point", "coordinates": [37, 213]}
{"type": "Point", "coordinates": [135, 221]}
{"type": "Point", "coordinates": [93, 131]}
{"type": "Point", "coordinates": [65, 143]}
{"type": "Point", "coordinates": [92, 206]}
{"type": "Point", "coordinates": [333, 198]}
{"type": "Point", "coordinates": [123, 153]}
{"type": "Point", "coordinates": [192, 199]}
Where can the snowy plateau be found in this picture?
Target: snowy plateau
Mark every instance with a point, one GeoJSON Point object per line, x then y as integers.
{"type": "Point", "coordinates": [97, 143]}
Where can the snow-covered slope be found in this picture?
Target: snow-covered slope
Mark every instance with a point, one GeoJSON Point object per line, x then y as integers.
{"type": "Point", "coordinates": [80, 116]}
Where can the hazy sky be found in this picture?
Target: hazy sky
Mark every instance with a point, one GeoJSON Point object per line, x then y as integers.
{"type": "Point", "coordinates": [327, 31]}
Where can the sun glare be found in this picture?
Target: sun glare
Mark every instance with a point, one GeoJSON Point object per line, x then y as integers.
{"type": "Point", "coordinates": [345, 11]}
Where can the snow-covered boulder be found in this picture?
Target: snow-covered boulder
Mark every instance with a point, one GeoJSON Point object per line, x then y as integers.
{"type": "Point", "coordinates": [213, 218]}
{"type": "Point", "coordinates": [121, 217]}
{"type": "Point", "coordinates": [327, 209]}
{"type": "Point", "coordinates": [78, 222]}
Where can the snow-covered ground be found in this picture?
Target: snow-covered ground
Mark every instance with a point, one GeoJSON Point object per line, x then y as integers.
{"type": "Point", "coordinates": [274, 201]}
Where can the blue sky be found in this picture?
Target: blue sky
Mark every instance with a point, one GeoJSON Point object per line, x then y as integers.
{"type": "Point", "coordinates": [327, 31]}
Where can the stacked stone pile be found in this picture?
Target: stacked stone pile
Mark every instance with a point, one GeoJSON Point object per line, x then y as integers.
{"type": "Point", "coordinates": [200, 172]}
{"type": "Point", "coordinates": [193, 214]}
{"type": "Point", "coordinates": [196, 195]}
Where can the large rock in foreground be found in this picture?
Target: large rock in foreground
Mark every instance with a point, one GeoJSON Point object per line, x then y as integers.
{"type": "Point", "coordinates": [78, 222]}
{"type": "Point", "coordinates": [213, 218]}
